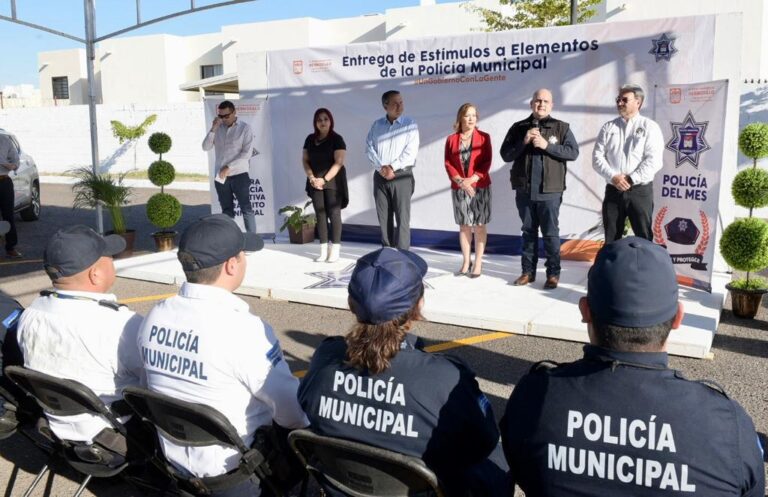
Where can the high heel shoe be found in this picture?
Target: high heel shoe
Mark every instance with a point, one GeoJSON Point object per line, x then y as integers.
{"type": "Point", "coordinates": [463, 273]}
{"type": "Point", "coordinates": [476, 275]}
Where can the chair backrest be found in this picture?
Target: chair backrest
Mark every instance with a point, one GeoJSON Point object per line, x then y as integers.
{"type": "Point", "coordinates": [183, 423]}
{"type": "Point", "coordinates": [106, 456]}
{"type": "Point", "coordinates": [360, 470]}
{"type": "Point", "coordinates": [61, 397]}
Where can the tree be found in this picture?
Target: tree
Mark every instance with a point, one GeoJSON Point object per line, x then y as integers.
{"type": "Point", "coordinates": [124, 133]}
{"type": "Point", "coordinates": [535, 14]}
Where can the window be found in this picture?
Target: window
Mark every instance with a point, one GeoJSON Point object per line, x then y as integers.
{"type": "Point", "coordinates": [211, 71]}
{"type": "Point", "coordinates": [60, 87]}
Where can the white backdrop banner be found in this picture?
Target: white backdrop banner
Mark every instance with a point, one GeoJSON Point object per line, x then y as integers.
{"type": "Point", "coordinates": [583, 65]}
{"type": "Point", "coordinates": [687, 190]}
{"type": "Point", "coordinates": [256, 114]}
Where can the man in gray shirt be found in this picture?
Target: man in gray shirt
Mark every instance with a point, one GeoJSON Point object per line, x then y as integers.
{"type": "Point", "coordinates": [232, 141]}
{"type": "Point", "coordinates": [9, 161]}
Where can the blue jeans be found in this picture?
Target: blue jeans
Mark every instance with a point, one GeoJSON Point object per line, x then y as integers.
{"type": "Point", "coordinates": [535, 215]}
{"type": "Point", "coordinates": [239, 187]}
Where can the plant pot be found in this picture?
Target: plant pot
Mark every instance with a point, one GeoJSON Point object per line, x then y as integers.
{"type": "Point", "coordinates": [745, 303]}
{"type": "Point", "coordinates": [305, 235]}
{"type": "Point", "coordinates": [130, 238]}
{"type": "Point", "coordinates": [164, 240]}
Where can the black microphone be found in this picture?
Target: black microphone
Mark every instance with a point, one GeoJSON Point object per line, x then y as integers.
{"type": "Point", "coordinates": [535, 123]}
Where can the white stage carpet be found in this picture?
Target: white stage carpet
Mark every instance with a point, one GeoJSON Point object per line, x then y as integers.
{"type": "Point", "coordinates": [287, 272]}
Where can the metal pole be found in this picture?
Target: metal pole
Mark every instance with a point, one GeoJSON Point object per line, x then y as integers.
{"type": "Point", "coordinates": [90, 55]}
{"type": "Point", "coordinates": [574, 11]}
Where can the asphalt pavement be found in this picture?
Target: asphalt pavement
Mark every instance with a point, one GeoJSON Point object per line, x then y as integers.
{"type": "Point", "coordinates": [740, 347]}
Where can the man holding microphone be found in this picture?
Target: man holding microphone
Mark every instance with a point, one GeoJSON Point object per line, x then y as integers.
{"type": "Point", "coordinates": [538, 148]}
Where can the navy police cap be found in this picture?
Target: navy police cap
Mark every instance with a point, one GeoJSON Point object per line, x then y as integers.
{"type": "Point", "coordinates": [632, 284]}
{"type": "Point", "coordinates": [386, 284]}
{"type": "Point", "coordinates": [74, 249]}
{"type": "Point", "coordinates": [212, 240]}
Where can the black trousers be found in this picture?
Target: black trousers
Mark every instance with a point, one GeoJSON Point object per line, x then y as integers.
{"type": "Point", "coordinates": [635, 204]}
{"type": "Point", "coordinates": [7, 199]}
{"type": "Point", "coordinates": [327, 205]}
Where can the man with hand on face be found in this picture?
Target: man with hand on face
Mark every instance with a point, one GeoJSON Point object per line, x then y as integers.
{"type": "Point", "coordinates": [539, 147]}
{"type": "Point", "coordinates": [628, 154]}
{"type": "Point", "coordinates": [232, 140]}
{"type": "Point", "coordinates": [77, 330]}
{"type": "Point", "coordinates": [392, 146]}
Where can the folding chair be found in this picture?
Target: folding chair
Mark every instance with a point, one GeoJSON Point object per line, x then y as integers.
{"type": "Point", "coordinates": [196, 425]}
{"type": "Point", "coordinates": [106, 456]}
{"type": "Point", "coordinates": [359, 470]}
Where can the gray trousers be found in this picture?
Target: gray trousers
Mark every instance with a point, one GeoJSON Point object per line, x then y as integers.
{"type": "Point", "coordinates": [393, 204]}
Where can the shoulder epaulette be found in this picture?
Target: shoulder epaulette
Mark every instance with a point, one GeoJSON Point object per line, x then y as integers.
{"type": "Point", "coordinates": [707, 383]}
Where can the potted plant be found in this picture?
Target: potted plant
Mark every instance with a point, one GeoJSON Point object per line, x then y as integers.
{"type": "Point", "coordinates": [92, 189]}
{"type": "Point", "coordinates": [301, 225]}
{"type": "Point", "coordinates": [744, 244]}
{"type": "Point", "coordinates": [163, 209]}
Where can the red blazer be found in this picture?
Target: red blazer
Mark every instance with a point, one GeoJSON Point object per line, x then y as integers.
{"type": "Point", "coordinates": [479, 159]}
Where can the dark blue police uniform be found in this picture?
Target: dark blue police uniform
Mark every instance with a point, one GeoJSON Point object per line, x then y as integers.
{"type": "Point", "coordinates": [424, 405]}
{"type": "Point", "coordinates": [10, 354]}
{"type": "Point", "coordinates": [622, 423]}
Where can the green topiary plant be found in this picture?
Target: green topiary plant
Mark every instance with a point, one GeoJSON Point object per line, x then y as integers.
{"type": "Point", "coordinates": [161, 173]}
{"type": "Point", "coordinates": [753, 141]}
{"type": "Point", "coordinates": [744, 244]}
{"type": "Point", "coordinates": [160, 143]}
{"type": "Point", "coordinates": [163, 210]}
{"type": "Point", "coordinates": [750, 188]}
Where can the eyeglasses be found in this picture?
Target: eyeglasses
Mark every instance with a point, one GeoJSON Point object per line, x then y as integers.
{"type": "Point", "coordinates": [623, 100]}
{"type": "Point", "coordinates": [224, 116]}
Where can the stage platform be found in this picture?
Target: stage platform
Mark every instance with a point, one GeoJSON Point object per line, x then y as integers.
{"type": "Point", "coordinates": [287, 272]}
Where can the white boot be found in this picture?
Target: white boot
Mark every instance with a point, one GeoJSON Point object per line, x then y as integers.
{"type": "Point", "coordinates": [323, 253]}
{"type": "Point", "coordinates": [333, 255]}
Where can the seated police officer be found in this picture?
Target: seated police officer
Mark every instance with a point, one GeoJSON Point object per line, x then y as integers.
{"type": "Point", "coordinates": [377, 387]}
{"type": "Point", "coordinates": [619, 421]}
{"type": "Point", "coordinates": [204, 346]}
{"type": "Point", "coordinates": [77, 330]}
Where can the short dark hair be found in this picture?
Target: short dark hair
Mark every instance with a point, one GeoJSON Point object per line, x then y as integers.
{"type": "Point", "coordinates": [623, 339]}
{"type": "Point", "coordinates": [637, 90]}
{"type": "Point", "coordinates": [204, 276]}
{"type": "Point", "coordinates": [226, 104]}
{"type": "Point", "coordinates": [387, 95]}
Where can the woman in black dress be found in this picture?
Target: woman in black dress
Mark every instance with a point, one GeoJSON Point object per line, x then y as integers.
{"type": "Point", "coordinates": [323, 160]}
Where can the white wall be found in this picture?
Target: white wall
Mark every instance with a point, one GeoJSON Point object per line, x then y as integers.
{"type": "Point", "coordinates": [58, 138]}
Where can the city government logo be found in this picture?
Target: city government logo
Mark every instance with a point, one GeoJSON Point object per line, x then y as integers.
{"type": "Point", "coordinates": [663, 48]}
{"type": "Point", "coordinates": [688, 140]}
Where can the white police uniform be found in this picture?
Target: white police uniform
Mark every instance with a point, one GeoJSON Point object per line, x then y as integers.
{"type": "Point", "coordinates": [72, 335]}
{"type": "Point", "coordinates": [204, 346]}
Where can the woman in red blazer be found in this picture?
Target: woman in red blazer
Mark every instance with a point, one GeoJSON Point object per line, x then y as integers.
{"type": "Point", "coordinates": [468, 158]}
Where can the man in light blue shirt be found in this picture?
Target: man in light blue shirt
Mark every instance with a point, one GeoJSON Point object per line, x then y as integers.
{"type": "Point", "coordinates": [392, 146]}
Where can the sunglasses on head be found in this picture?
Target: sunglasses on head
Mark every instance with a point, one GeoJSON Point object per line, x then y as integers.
{"type": "Point", "coordinates": [224, 116]}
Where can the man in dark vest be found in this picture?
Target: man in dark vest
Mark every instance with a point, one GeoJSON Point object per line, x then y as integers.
{"type": "Point", "coordinates": [538, 148]}
{"type": "Point", "coordinates": [619, 421]}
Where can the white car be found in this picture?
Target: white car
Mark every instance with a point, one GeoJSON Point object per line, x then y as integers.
{"type": "Point", "coordinates": [26, 183]}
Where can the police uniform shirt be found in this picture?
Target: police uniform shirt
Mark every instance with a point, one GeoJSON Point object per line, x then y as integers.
{"type": "Point", "coordinates": [623, 424]}
{"type": "Point", "coordinates": [633, 147]}
{"type": "Point", "coordinates": [204, 346]}
{"type": "Point", "coordinates": [82, 340]}
{"type": "Point", "coordinates": [424, 405]}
